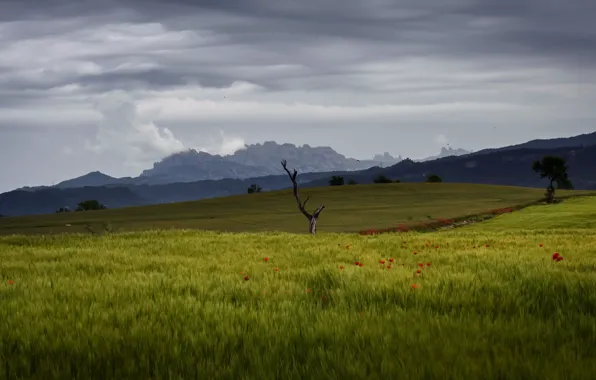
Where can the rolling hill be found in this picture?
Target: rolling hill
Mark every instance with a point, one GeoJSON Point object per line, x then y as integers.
{"type": "Point", "coordinates": [349, 208]}
{"type": "Point", "coordinates": [502, 167]}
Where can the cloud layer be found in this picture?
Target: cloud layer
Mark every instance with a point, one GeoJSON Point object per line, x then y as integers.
{"type": "Point", "coordinates": [115, 85]}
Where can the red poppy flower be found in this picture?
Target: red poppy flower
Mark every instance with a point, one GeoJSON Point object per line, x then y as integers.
{"type": "Point", "coordinates": [559, 258]}
{"type": "Point", "coordinates": [428, 264]}
{"type": "Point", "coordinates": [437, 246]}
{"type": "Point", "coordinates": [381, 261]}
{"type": "Point", "coordinates": [341, 267]}
{"type": "Point", "coordinates": [391, 260]}
{"type": "Point", "coordinates": [308, 290]}
{"type": "Point", "coordinates": [276, 269]}
{"type": "Point", "coordinates": [266, 259]}
{"type": "Point", "coordinates": [540, 245]}
{"type": "Point", "coordinates": [388, 266]}
{"type": "Point", "coordinates": [356, 263]}
{"type": "Point", "coordinates": [10, 282]}
{"type": "Point", "coordinates": [555, 255]}
{"type": "Point", "coordinates": [361, 264]}
{"type": "Point", "coordinates": [418, 271]}
{"type": "Point", "coordinates": [414, 253]}
{"type": "Point", "coordinates": [420, 265]}
{"type": "Point", "coordinates": [245, 278]}
{"type": "Point", "coordinates": [414, 286]}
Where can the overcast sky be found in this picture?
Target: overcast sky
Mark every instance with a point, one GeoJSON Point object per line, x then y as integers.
{"type": "Point", "coordinates": [116, 85]}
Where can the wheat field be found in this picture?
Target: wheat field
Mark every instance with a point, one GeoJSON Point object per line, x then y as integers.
{"type": "Point", "coordinates": [488, 302]}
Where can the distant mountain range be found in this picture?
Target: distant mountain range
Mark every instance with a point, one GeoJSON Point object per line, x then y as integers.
{"type": "Point", "coordinates": [506, 166]}
{"type": "Point", "coordinates": [255, 160]}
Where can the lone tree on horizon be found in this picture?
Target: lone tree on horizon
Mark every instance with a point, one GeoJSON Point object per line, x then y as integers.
{"type": "Point", "coordinates": [555, 169]}
{"type": "Point", "coordinates": [312, 218]}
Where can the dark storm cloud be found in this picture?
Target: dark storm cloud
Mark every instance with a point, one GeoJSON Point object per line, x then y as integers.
{"type": "Point", "coordinates": [434, 66]}
{"type": "Point", "coordinates": [277, 31]}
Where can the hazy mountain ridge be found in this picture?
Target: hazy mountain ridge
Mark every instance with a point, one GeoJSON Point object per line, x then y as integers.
{"type": "Point", "coordinates": [583, 140]}
{"type": "Point", "coordinates": [504, 167]}
{"type": "Point", "coordinates": [501, 166]}
{"type": "Point", "coordinates": [255, 160]}
{"type": "Point", "coordinates": [446, 152]}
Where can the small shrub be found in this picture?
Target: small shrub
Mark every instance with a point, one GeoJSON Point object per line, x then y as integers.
{"type": "Point", "coordinates": [90, 205]}
{"type": "Point", "coordinates": [254, 188]}
{"type": "Point", "coordinates": [382, 179]}
{"type": "Point", "coordinates": [336, 180]}
{"type": "Point", "coordinates": [433, 178]}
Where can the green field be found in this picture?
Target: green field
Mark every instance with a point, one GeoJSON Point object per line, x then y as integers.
{"type": "Point", "coordinates": [348, 209]}
{"type": "Point", "coordinates": [175, 304]}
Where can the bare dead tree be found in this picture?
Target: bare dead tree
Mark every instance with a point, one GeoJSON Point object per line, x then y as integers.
{"type": "Point", "coordinates": [312, 218]}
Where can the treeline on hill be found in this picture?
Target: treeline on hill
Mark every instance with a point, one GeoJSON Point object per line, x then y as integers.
{"type": "Point", "coordinates": [553, 168]}
{"type": "Point", "coordinates": [88, 205]}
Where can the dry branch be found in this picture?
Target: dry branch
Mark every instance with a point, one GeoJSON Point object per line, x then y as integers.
{"type": "Point", "coordinates": [312, 218]}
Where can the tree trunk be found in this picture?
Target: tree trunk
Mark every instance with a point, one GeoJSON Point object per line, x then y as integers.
{"type": "Point", "coordinates": [550, 193]}
{"type": "Point", "coordinates": [312, 225]}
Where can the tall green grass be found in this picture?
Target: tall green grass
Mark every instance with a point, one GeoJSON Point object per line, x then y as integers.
{"type": "Point", "coordinates": [175, 304]}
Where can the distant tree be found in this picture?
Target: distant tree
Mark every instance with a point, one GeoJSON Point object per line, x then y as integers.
{"type": "Point", "coordinates": [352, 182]}
{"type": "Point", "coordinates": [336, 180]}
{"type": "Point", "coordinates": [555, 169]}
{"type": "Point", "coordinates": [396, 181]}
{"type": "Point", "coordinates": [312, 218]}
{"type": "Point", "coordinates": [254, 188]}
{"type": "Point", "coordinates": [90, 205]}
{"type": "Point", "coordinates": [63, 209]}
{"type": "Point", "coordinates": [381, 179]}
{"type": "Point", "coordinates": [433, 178]}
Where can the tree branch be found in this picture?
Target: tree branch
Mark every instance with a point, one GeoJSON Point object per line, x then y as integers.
{"type": "Point", "coordinates": [301, 204]}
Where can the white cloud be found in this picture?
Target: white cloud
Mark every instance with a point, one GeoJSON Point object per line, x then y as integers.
{"type": "Point", "coordinates": [225, 144]}
{"type": "Point", "coordinates": [123, 132]}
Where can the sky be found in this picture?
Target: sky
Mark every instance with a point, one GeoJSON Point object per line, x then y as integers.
{"type": "Point", "coordinates": [117, 85]}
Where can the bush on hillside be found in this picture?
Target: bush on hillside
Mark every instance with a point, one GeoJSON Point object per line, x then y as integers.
{"type": "Point", "coordinates": [382, 179]}
{"type": "Point", "coordinates": [90, 205]}
{"type": "Point", "coordinates": [336, 180]}
{"type": "Point", "coordinates": [433, 178]}
{"type": "Point", "coordinates": [254, 188]}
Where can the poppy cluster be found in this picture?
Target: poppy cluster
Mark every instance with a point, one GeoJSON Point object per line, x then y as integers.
{"type": "Point", "coordinates": [557, 256]}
